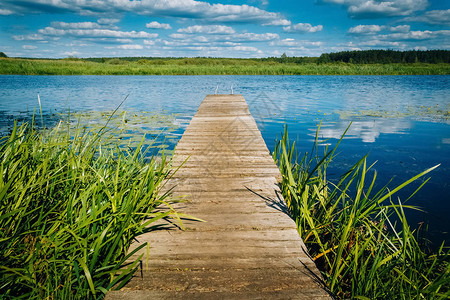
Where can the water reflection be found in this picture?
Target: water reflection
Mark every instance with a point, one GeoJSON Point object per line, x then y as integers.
{"type": "Point", "coordinates": [401, 120]}
{"type": "Point", "coordinates": [366, 130]}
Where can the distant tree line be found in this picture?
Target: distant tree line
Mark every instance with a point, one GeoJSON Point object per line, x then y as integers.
{"type": "Point", "coordinates": [387, 57]}
{"type": "Point", "coordinates": [205, 60]}
{"type": "Point", "coordinates": [356, 57]}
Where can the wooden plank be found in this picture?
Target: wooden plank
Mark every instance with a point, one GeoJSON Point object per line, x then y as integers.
{"type": "Point", "coordinates": [248, 247]}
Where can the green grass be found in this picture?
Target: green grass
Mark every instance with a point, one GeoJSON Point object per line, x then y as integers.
{"type": "Point", "coordinates": [208, 66]}
{"type": "Point", "coordinates": [358, 236]}
{"type": "Point", "coordinates": [69, 210]}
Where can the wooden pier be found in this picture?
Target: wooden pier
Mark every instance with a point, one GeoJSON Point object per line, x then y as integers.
{"type": "Point", "coordinates": [249, 247]}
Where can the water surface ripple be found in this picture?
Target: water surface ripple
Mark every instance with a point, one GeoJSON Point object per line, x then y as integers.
{"type": "Point", "coordinates": [401, 121]}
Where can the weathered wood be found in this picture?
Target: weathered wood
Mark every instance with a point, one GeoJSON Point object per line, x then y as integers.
{"type": "Point", "coordinates": [249, 247]}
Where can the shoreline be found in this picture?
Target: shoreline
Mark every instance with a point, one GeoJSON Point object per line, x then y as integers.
{"type": "Point", "coordinates": [20, 66]}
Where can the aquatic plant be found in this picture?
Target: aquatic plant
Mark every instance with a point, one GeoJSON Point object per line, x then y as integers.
{"type": "Point", "coordinates": [429, 113]}
{"type": "Point", "coordinates": [69, 210]}
{"type": "Point", "coordinates": [358, 236]}
{"type": "Point", "coordinates": [125, 128]}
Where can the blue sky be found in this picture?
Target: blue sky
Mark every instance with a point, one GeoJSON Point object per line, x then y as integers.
{"type": "Point", "coordinates": [221, 28]}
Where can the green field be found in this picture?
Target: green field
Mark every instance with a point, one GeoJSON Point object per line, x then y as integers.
{"type": "Point", "coordinates": [209, 66]}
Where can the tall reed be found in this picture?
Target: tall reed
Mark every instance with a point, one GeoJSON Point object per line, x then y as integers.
{"type": "Point", "coordinates": [69, 209]}
{"type": "Point", "coordinates": [198, 66]}
{"type": "Point", "coordinates": [350, 229]}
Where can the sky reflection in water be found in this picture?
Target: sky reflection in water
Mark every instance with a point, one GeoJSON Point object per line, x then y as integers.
{"type": "Point", "coordinates": [401, 121]}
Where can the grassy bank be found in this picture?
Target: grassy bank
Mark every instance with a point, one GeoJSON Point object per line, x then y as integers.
{"type": "Point", "coordinates": [70, 205]}
{"type": "Point", "coordinates": [208, 66]}
{"type": "Point", "coordinates": [350, 230]}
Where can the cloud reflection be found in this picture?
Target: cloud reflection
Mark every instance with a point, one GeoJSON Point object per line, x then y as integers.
{"type": "Point", "coordinates": [366, 130]}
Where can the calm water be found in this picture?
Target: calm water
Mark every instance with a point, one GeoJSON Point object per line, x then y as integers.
{"type": "Point", "coordinates": [401, 121]}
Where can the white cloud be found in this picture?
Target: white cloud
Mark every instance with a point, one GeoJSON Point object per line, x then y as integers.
{"type": "Point", "coordinates": [387, 8]}
{"type": "Point", "coordinates": [201, 39]}
{"type": "Point", "coordinates": [130, 47]}
{"type": "Point", "coordinates": [253, 37]}
{"type": "Point", "coordinates": [198, 39]}
{"type": "Point", "coordinates": [178, 36]}
{"type": "Point", "coordinates": [435, 17]}
{"type": "Point", "coordinates": [400, 28]}
{"type": "Point", "coordinates": [230, 38]}
{"type": "Point", "coordinates": [149, 42]}
{"type": "Point", "coordinates": [107, 33]}
{"type": "Point", "coordinates": [236, 39]}
{"type": "Point", "coordinates": [162, 8]}
{"type": "Point", "coordinates": [232, 13]}
{"type": "Point", "coordinates": [303, 27]}
{"type": "Point", "coordinates": [80, 25]}
{"type": "Point", "coordinates": [29, 47]}
{"type": "Point", "coordinates": [399, 37]}
{"type": "Point", "coordinates": [295, 43]}
{"type": "Point", "coordinates": [5, 12]}
{"type": "Point", "coordinates": [214, 50]}
{"type": "Point", "coordinates": [125, 41]}
{"type": "Point", "coordinates": [208, 29]}
{"type": "Point", "coordinates": [156, 25]}
{"type": "Point", "coordinates": [378, 43]}
{"type": "Point", "coordinates": [176, 43]}
{"type": "Point", "coordinates": [366, 29]}
{"type": "Point", "coordinates": [107, 21]}
{"type": "Point", "coordinates": [71, 53]}
{"type": "Point", "coordinates": [279, 22]}
{"type": "Point", "coordinates": [190, 41]}
{"type": "Point", "coordinates": [29, 37]}
{"type": "Point", "coordinates": [344, 47]}
{"type": "Point", "coordinates": [191, 38]}
{"type": "Point", "coordinates": [201, 48]}
{"type": "Point", "coordinates": [373, 29]}
{"type": "Point", "coordinates": [229, 44]}
{"type": "Point", "coordinates": [294, 47]}
{"type": "Point", "coordinates": [367, 9]}
{"type": "Point", "coordinates": [246, 49]}
{"type": "Point", "coordinates": [415, 35]}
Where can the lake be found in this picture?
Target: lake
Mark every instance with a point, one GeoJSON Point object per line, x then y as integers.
{"type": "Point", "coordinates": [401, 121]}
